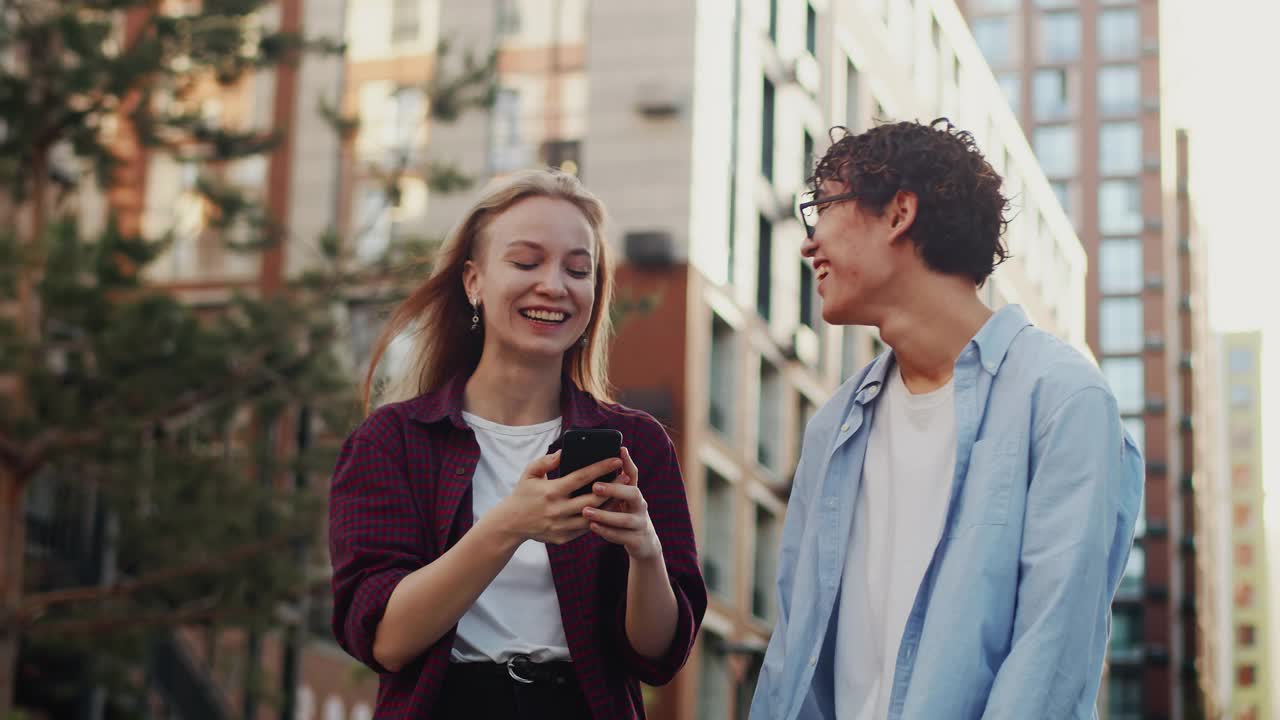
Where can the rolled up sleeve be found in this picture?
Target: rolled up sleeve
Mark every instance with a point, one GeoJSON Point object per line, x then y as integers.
{"type": "Point", "coordinates": [375, 540]}
{"type": "Point", "coordinates": [663, 487]}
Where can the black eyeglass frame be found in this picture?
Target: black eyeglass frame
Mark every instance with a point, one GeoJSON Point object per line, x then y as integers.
{"type": "Point", "coordinates": [808, 229]}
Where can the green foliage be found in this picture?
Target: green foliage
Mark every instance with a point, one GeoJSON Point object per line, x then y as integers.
{"type": "Point", "coordinates": [176, 418]}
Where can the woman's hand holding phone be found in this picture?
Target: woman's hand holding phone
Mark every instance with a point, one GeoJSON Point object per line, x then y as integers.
{"type": "Point", "coordinates": [627, 521]}
{"type": "Point", "coordinates": [541, 509]}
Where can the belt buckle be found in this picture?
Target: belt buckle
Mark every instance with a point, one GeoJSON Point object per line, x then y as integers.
{"type": "Point", "coordinates": [511, 669]}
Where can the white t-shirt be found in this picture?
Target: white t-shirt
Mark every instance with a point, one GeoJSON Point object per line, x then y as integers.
{"type": "Point", "coordinates": [519, 613]}
{"type": "Point", "coordinates": [897, 521]}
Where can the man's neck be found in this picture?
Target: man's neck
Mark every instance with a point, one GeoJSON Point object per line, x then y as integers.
{"type": "Point", "coordinates": [510, 393]}
{"type": "Point", "coordinates": [928, 332]}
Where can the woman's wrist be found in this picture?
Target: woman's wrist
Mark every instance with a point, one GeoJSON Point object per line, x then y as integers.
{"type": "Point", "coordinates": [496, 527]}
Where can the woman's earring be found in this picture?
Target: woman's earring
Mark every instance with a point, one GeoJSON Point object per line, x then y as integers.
{"type": "Point", "coordinates": [584, 341]}
{"type": "Point", "coordinates": [475, 314]}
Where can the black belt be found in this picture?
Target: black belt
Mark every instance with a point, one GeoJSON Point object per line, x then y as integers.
{"type": "Point", "coordinates": [520, 669]}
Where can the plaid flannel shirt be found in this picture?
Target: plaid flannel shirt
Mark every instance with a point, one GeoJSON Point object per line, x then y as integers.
{"type": "Point", "coordinates": [401, 496]}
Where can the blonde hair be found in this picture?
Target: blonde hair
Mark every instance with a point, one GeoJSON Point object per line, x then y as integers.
{"type": "Point", "coordinates": [438, 312]}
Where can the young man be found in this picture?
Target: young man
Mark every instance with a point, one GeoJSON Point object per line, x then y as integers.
{"type": "Point", "coordinates": [964, 506]}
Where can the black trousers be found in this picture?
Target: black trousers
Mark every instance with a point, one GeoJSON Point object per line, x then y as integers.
{"type": "Point", "coordinates": [481, 691]}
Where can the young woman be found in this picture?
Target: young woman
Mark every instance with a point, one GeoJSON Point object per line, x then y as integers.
{"type": "Point", "coordinates": [464, 570]}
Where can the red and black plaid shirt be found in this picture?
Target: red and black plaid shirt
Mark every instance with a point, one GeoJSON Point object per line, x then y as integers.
{"type": "Point", "coordinates": [401, 496]}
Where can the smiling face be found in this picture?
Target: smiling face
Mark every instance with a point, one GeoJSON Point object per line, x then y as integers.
{"type": "Point", "coordinates": [534, 275]}
{"type": "Point", "coordinates": [857, 255]}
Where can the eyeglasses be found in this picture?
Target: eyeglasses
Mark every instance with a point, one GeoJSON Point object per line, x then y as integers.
{"type": "Point", "coordinates": [809, 211]}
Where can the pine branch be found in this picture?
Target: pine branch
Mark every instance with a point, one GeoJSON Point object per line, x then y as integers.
{"type": "Point", "coordinates": [132, 620]}
{"type": "Point", "coordinates": [36, 604]}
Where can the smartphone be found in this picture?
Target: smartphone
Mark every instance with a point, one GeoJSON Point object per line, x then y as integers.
{"type": "Point", "coordinates": [581, 448]}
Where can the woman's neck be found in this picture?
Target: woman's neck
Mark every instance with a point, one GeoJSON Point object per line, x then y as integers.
{"type": "Point", "coordinates": [513, 393]}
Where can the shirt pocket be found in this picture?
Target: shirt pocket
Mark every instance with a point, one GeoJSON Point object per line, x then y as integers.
{"type": "Point", "coordinates": [987, 492]}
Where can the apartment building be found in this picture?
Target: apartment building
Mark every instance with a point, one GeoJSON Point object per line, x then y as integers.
{"type": "Point", "coordinates": [1250, 646]}
{"type": "Point", "coordinates": [1084, 77]}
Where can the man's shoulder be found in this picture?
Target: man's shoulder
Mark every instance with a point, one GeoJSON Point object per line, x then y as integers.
{"type": "Point", "coordinates": [1049, 371]}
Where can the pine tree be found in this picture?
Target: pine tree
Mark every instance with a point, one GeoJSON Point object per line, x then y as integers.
{"type": "Point", "coordinates": [181, 422]}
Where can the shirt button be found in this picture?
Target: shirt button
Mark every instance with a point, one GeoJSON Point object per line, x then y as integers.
{"type": "Point", "coordinates": [813, 661]}
{"type": "Point", "coordinates": [459, 471]}
{"type": "Point", "coordinates": [844, 427]}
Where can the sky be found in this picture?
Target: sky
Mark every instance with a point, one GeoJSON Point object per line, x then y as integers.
{"type": "Point", "coordinates": [1220, 83]}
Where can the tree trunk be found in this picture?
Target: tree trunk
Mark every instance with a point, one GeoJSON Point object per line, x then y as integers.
{"type": "Point", "coordinates": [12, 546]}
{"type": "Point", "coordinates": [12, 485]}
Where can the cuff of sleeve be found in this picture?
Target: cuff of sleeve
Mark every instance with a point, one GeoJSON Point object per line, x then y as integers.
{"type": "Point", "coordinates": [366, 612]}
{"type": "Point", "coordinates": [660, 670]}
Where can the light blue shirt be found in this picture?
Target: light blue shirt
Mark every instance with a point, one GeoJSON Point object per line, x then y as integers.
{"type": "Point", "coordinates": [1012, 617]}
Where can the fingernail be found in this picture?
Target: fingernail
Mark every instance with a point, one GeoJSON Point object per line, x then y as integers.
{"type": "Point", "coordinates": [599, 487]}
{"type": "Point", "coordinates": [589, 512]}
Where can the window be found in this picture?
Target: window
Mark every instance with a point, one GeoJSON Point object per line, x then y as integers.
{"type": "Point", "coordinates": [1131, 583]}
{"type": "Point", "coordinates": [373, 226]}
{"type": "Point", "coordinates": [1120, 266]}
{"type": "Point", "coordinates": [1050, 94]}
{"type": "Point", "coordinates": [405, 21]}
{"type": "Point", "coordinates": [1244, 555]}
{"type": "Point", "coordinates": [1241, 516]}
{"type": "Point", "coordinates": [1241, 477]}
{"type": "Point", "coordinates": [768, 417]}
{"type": "Point", "coordinates": [1119, 90]}
{"type": "Point", "coordinates": [1120, 325]}
{"type": "Point", "coordinates": [773, 21]}
{"type": "Point", "coordinates": [993, 5]}
{"type": "Point", "coordinates": [810, 28]}
{"type": "Point", "coordinates": [1119, 207]}
{"type": "Point", "coordinates": [1242, 439]}
{"type": "Point", "coordinates": [764, 268]}
{"type": "Point", "coordinates": [1244, 595]}
{"type": "Point", "coordinates": [992, 34]}
{"type": "Point", "coordinates": [1126, 631]}
{"type": "Point", "coordinates": [506, 151]}
{"type": "Point", "coordinates": [508, 18]}
{"type": "Point", "coordinates": [1055, 147]}
{"type": "Point", "coordinates": [1124, 697]}
{"type": "Point", "coordinates": [852, 114]}
{"type": "Point", "coordinates": [1062, 191]}
{"type": "Point", "coordinates": [405, 116]}
{"type": "Point", "coordinates": [808, 157]}
{"type": "Point", "coordinates": [765, 564]}
{"type": "Point", "coordinates": [1126, 377]}
{"type": "Point", "coordinates": [723, 383]}
{"type": "Point", "coordinates": [1245, 675]}
{"type": "Point", "coordinates": [807, 294]}
{"type": "Point", "coordinates": [1060, 36]}
{"type": "Point", "coordinates": [718, 522]}
{"type": "Point", "coordinates": [714, 685]}
{"type": "Point", "coordinates": [1119, 33]}
{"type": "Point", "coordinates": [1245, 635]}
{"type": "Point", "coordinates": [1241, 396]}
{"type": "Point", "coordinates": [1241, 360]}
{"type": "Point", "coordinates": [1011, 86]}
{"type": "Point", "coordinates": [1137, 428]}
{"type": "Point", "coordinates": [1120, 148]}
{"type": "Point", "coordinates": [766, 132]}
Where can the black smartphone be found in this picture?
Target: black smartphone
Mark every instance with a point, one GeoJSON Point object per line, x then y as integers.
{"type": "Point", "coordinates": [580, 448]}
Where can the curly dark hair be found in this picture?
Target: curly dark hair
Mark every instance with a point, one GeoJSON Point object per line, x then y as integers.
{"type": "Point", "coordinates": [961, 212]}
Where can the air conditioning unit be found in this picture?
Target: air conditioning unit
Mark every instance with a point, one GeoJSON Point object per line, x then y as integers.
{"type": "Point", "coordinates": [804, 72]}
{"type": "Point", "coordinates": [649, 248]}
{"type": "Point", "coordinates": [804, 346]}
{"type": "Point", "coordinates": [658, 100]}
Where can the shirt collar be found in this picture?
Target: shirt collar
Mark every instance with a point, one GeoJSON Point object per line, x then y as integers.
{"type": "Point", "coordinates": [996, 336]}
{"type": "Point", "coordinates": [993, 340]}
{"type": "Point", "coordinates": [578, 409]}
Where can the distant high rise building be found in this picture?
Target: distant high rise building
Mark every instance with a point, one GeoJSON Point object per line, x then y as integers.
{"type": "Point", "coordinates": [1084, 78]}
{"type": "Point", "coordinates": [1250, 648]}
